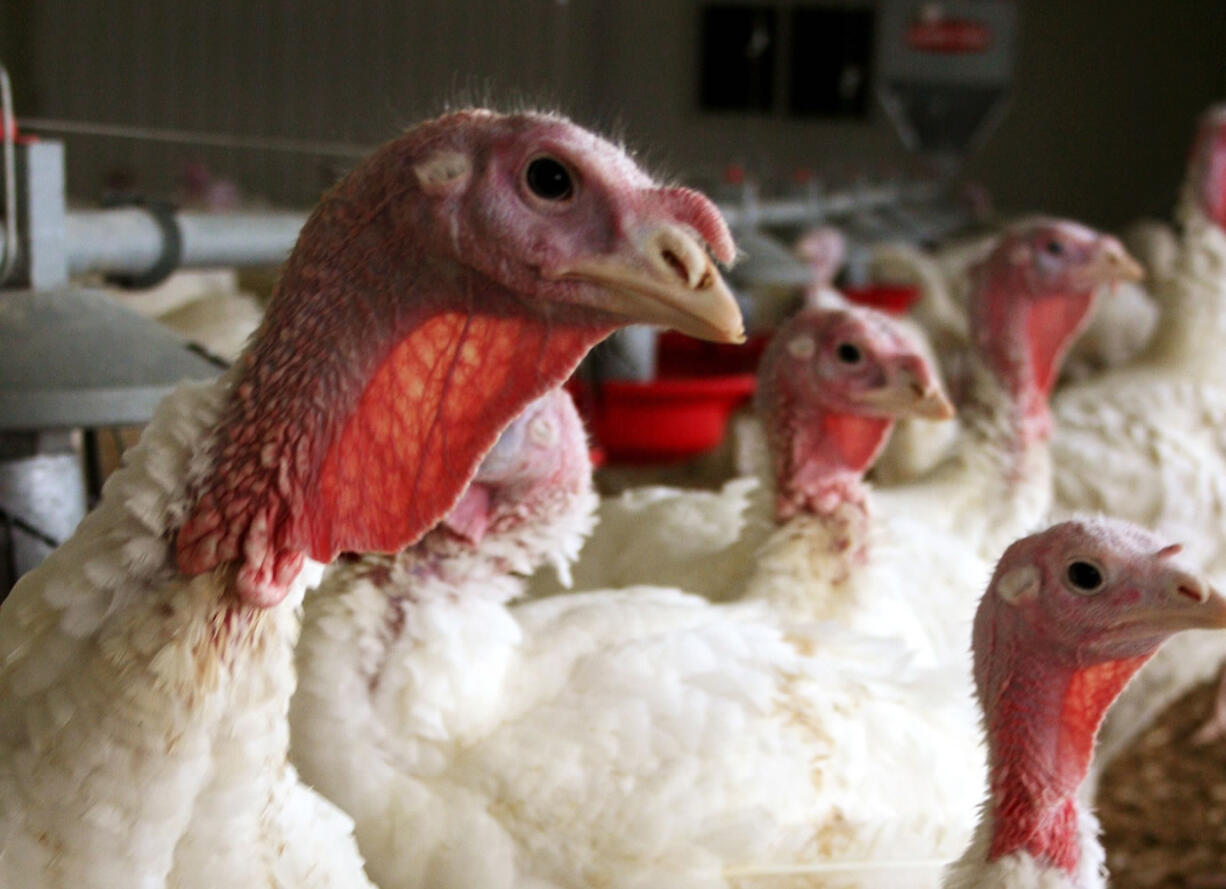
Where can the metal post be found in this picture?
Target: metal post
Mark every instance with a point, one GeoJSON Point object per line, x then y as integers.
{"type": "Point", "coordinates": [42, 498]}
{"type": "Point", "coordinates": [41, 215]}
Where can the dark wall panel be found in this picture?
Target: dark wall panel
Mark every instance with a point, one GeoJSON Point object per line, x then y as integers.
{"type": "Point", "coordinates": [1098, 127]}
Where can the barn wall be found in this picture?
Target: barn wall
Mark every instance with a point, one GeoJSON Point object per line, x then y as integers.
{"type": "Point", "coordinates": [1098, 127]}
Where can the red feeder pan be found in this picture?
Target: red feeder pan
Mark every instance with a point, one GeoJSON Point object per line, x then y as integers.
{"type": "Point", "coordinates": [896, 299]}
{"type": "Point", "coordinates": [664, 419]}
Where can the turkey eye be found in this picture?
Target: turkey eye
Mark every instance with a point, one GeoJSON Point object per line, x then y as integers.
{"type": "Point", "coordinates": [848, 353]}
{"type": "Point", "coordinates": [548, 179]}
{"type": "Point", "coordinates": [1054, 248]}
{"type": "Point", "coordinates": [1084, 576]}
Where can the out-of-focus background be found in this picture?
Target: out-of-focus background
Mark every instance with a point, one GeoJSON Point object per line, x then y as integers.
{"type": "Point", "coordinates": [1101, 96]}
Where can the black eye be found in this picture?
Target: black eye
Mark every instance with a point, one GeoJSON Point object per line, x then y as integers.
{"type": "Point", "coordinates": [548, 179]}
{"type": "Point", "coordinates": [848, 353]}
{"type": "Point", "coordinates": [1054, 248]}
{"type": "Point", "coordinates": [1085, 576]}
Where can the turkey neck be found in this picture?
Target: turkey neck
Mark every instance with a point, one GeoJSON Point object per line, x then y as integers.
{"type": "Point", "coordinates": [379, 377]}
{"type": "Point", "coordinates": [821, 455]}
{"type": "Point", "coordinates": [1018, 343]}
{"type": "Point", "coordinates": [1192, 325]}
{"type": "Point", "coordinates": [1042, 720]}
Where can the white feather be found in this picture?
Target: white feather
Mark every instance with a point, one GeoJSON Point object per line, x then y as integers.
{"type": "Point", "coordinates": [138, 747]}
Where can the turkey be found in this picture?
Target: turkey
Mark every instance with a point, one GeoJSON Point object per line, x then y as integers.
{"type": "Point", "coordinates": [1070, 615]}
{"type": "Point", "coordinates": [1118, 328]}
{"type": "Point", "coordinates": [908, 562]}
{"type": "Point", "coordinates": [1145, 443]}
{"type": "Point", "coordinates": [1117, 331]}
{"type": "Point", "coordinates": [844, 561]}
{"type": "Point", "coordinates": [1031, 297]}
{"type": "Point", "coordinates": [831, 382]}
{"type": "Point", "coordinates": [146, 667]}
{"type": "Point", "coordinates": [637, 737]}
{"type": "Point", "coordinates": [824, 250]}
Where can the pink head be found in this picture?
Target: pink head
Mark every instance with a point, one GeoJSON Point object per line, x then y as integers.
{"type": "Point", "coordinates": [823, 249]}
{"type": "Point", "coordinates": [535, 471]}
{"type": "Point", "coordinates": [460, 272]}
{"type": "Point", "coordinates": [1033, 295]}
{"type": "Point", "coordinates": [830, 386]}
{"type": "Point", "coordinates": [1070, 615]}
{"type": "Point", "coordinates": [1206, 175]}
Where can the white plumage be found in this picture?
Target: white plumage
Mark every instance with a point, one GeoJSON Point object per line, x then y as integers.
{"type": "Point", "coordinates": [1146, 443]}
{"type": "Point", "coordinates": [204, 307]}
{"type": "Point", "coordinates": [142, 714]}
{"type": "Point", "coordinates": [1121, 324]}
{"type": "Point", "coordinates": [638, 737]}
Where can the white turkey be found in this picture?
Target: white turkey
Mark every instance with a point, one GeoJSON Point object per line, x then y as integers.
{"type": "Point", "coordinates": [146, 667]}
{"type": "Point", "coordinates": [1117, 330]}
{"type": "Point", "coordinates": [1148, 442]}
{"type": "Point", "coordinates": [1070, 615]}
{"type": "Point", "coordinates": [637, 737]}
{"type": "Point", "coordinates": [831, 383]}
{"type": "Point", "coordinates": [908, 562]}
{"type": "Point", "coordinates": [867, 558]}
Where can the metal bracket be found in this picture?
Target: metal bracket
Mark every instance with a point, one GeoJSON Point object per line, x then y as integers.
{"type": "Point", "coordinates": [163, 213]}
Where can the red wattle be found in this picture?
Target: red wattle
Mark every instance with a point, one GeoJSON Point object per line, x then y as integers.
{"type": "Point", "coordinates": [1043, 823]}
{"type": "Point", "coordinates": [858, 440]}
{"type": "Point", "coordinates": [1050, 328]}
{"type": "Point", "coordinates": [404, 451]}
{"type": "Point", "coordinates": [429, 414]}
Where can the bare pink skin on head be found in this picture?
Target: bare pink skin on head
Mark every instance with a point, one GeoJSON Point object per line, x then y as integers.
{"type": "Point", "coordinates": [1207, 165]}
{"type": "Point", "coordinates": [432, 295]}
{"type": "Point", "coordinates": [539, 464]}
{"type": "Point", "coordinates": [824, 250]}
{"type": "Point", "coordinates": [832, 382]}
{"type": "Point", "coordinates": [1070, 615]}
{"type": "Point", "coordinates": [1032, 296]}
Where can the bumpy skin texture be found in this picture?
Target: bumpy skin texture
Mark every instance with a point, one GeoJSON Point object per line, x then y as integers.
{"type": "Point", "coordinates": [638, 737]}
{"type": "Point", "coordinates": [425, 304]}
{"type": "Point", "coordinates": [1070, 615]}
{"type": "Point", "coordinates": [146, 665]}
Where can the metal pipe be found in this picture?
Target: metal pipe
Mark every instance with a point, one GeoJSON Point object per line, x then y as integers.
{"type": "Point", "coordinates": [816, 208]}
{"type": "Point", "coordinates": [129, 240]}
{"type": "Point", "coordinates": [9, 159]}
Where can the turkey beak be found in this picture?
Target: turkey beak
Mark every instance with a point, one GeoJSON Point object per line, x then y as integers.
{"type": "Point", "coordinates": [911, 392]}
{"type": "Point", "coordinates": [1189, 603]}
{"type": "Point", "coordinates": [663, 276]}
{"type": "Point", "coordinates": [1112, 265]}
{"type": "Point", "coordinates": [1185, 602]}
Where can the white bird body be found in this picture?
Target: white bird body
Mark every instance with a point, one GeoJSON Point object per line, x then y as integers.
{"type": "Point", "coordinates": [630, 738]}
{"type": "Point", "coordinates": [912, 585]}
{"type": "Point", "coordinates": [155, 703]}
{"type": "Point", "coordinates": [713, 537]}
{"type": "Point", "coordinates": [1148, 443]}
{"type": "Point", "coordinates": [635, 737]}
{"type": "Point", "coordinates": [204, 307]}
